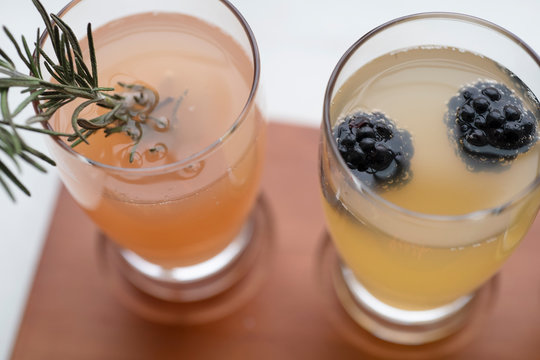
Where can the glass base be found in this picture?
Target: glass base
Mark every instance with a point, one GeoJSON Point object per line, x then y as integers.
{"type": "Point", "coordinates": [189, 283]}
{"type": "Point", "coordinates": [370, 324]}
{"type": "Point", "coordinates": [397, 325]}
{"type": "Point", "coordinates": [194, 273]}
{"type": "Point", "coordinates": [193, 294]}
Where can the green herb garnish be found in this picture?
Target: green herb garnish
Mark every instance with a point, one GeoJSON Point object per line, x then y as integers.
{"type": "Point", "coordinates": [70, 79]}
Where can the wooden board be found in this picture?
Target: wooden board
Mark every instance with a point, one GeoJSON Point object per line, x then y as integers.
{"type": "Point", "coordinates": [73, 314]}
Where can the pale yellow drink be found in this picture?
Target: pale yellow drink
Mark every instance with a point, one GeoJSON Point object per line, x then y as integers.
{"type": "Point", "coordinates": [400, 263]}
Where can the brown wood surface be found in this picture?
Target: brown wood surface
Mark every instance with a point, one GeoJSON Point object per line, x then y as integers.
{"type": "Point", "coordinates": [72, 314]}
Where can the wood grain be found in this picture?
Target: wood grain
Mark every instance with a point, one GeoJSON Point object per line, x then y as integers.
{"type": "Point", "coordinates": [72, 314]}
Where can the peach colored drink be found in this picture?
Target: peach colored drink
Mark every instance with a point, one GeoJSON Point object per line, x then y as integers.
{"type": "Point", "coordinates": [179, 216]}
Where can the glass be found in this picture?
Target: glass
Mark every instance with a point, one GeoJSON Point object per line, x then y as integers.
{"type": "Point", "coordinates": [410, 272]}
{"type": "Point", "coordinates": [187, 221]}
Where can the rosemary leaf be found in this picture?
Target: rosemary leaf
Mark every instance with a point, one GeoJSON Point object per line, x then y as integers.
{"type": "Point", "coordinates": [99, 122]}
{"type": "Point", "coordinates": [33, 96]}
{"type": "Point", "coordinates": [18, 82]}
{"type": "Point", "coordinates": [62, 60]}
{"type": "Point", "coordinates": [38, 130]}
{"type": "Point", "coordinates": [32, 66]}
{"type": "Point", "coordinates": [54, 74]}
{"type": "Point", "coordinates": [75, 117]}
{"type": "Point", "coordinates": [38, 55]}
{"type": "Point", "coordinates": [46, 57]}
{"type": "Point", "coordinates": [79, 79]}
{"type": "Point", "coordinates": [17, 47]}
{"type": "Point", "coordinates": [114, 130]}
{"type": "Point", "coordinates": [8, 59]}
{"type": "Point", "coordinates": [47, 96]}
{"type": "Point", "coordinates": [72, 39]}
{"type": "Point", "coordinates": [87, 134]}
{"type": "Point", "coordinates": [66, 30]}
{"type": "Point", "coordinates": [39, 155]}
{"type": "Point", "coordinates": [4, 169]}
{"type": "Point", "coordinates": [7, 145]}
{"type": "Point", "coordinates": [48, 25]}
{"type": "Point", "coordinates": [7, 117]}
{"type": "Point", "coordinates": [92, 50]}
{"type": "Point", "coordinates": [32, 162]}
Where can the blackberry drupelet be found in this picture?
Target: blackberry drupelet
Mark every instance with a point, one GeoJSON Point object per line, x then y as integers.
{"type": "Point", "coordinates": [490, 123]}
{"type": "Point", "coordinates": [374, 149]}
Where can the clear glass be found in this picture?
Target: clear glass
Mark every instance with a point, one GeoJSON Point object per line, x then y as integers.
{"type": "Point", "coordinates": [189, 220]}
{"type": "Point", "coordinates": [409, 276]}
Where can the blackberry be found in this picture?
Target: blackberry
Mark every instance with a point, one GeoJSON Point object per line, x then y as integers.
{"type": "Point", "coordinates": [490, 123]}
{"type": "Point", "coordinates": [375, 150]}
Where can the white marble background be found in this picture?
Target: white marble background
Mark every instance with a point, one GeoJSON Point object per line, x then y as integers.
{"type": "Point", "coordinates": [300, 42]}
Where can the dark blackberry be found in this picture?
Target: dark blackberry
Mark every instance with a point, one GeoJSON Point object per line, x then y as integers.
{"type": "Point", "coordinates": [490, 123]}
{"type": "Point", "coordinates": [380, 152]}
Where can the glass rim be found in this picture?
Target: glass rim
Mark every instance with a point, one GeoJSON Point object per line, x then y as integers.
{"type": "Point", "coordinates": [194, 156]}
{"type": "Point", "coordinates": [327, 128]}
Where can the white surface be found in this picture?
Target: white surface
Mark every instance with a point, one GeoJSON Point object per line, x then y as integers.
{"type": "Point", "coordinates": [300, 42]}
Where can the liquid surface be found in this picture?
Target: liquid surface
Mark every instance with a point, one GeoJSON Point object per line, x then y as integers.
{"type": "Point", "coordinates": [202, 76]}
{"type": "Point", "coordinates": [413, 88]}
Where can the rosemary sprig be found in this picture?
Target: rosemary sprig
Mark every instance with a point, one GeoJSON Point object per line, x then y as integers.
{"type": "Point", "coordinates": [70, 79]}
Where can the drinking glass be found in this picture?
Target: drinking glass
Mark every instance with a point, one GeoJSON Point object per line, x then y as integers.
{"type": "Point", "coordinates": [408, 276]}
{"type": "Point", "coordinates": [182, 223]}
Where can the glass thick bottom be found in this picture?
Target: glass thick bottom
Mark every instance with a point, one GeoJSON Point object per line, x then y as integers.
{"type": "Point", "coordinates": [192, 294]}
{"type": "Point", "coordinates": [372, 325]}
{"type": "Point", "coordinates": [189, 283]}
{"type": "Point", "coordinates": [407, 327]}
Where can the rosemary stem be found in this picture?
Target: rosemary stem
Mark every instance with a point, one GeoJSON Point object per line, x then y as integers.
{"type": "Point", "coordinates": [38, 130]}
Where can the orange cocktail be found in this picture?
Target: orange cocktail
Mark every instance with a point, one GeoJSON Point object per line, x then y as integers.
{"type": "Point", "coordinates": [182, 193]}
